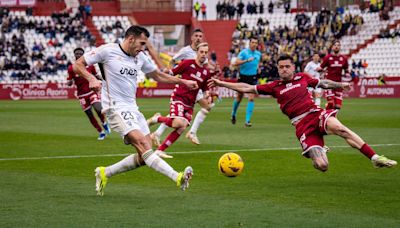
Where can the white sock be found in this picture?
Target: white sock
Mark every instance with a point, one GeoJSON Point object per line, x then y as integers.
{"type": "Point", "coordinates": [129, 163]}
{"type": "Point", "coordinates": [200, 117]}
{"type": "Point", "coordinates": [318, 101]}
{"type": "Point", "coordinates": [160, 130]}
{"type": "Point", "coordinates": [159, 165]}
{"type": "Point", "coordinates": [374, 157]}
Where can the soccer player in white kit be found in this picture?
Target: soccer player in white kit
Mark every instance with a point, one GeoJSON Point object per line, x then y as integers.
{"type": "Point", "coordinates": [311, 69]}
{"type": "Point", "coordinates": [119, 65]}
{"type": "Point", "coordinates": [189, 52]}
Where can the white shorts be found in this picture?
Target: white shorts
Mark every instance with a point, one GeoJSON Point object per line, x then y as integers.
{"type": "Point", "coordinates": [200, 95]}
{"type": "Point", "coordinates": [124, 120]}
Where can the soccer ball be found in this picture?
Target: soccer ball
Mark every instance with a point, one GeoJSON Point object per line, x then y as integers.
{"type": "Point", "coordinates": [230, 164]}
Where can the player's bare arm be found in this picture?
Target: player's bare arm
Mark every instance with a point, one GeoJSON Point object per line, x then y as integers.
{"type": "Point", "coordinates": [329, 84]}
{"type": "Point", "coordinates": [79, 67]}
{"type": "Point", "coordinates": [166, 78]}
{"type": "Point", "coordinates": [240, 87]}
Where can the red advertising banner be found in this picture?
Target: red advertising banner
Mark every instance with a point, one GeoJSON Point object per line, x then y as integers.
{"type": "Point", "coordinates": [12, 3]}
{"type": "Point", "coordinates": [36, 91]}
{"type": "Point", "coordinates": [40, 91]}
{"type": "Point", "coordinates": [363, 88]}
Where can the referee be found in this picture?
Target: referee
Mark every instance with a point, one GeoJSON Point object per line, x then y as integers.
{"type": "Point", "coordinates": [248, 61]}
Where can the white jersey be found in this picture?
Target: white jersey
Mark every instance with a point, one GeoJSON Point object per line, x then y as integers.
{"type": "Point", "coordinates": [120, 74]}
{"type": "Point", "coordinates": [311, 69]}
{"type": "Point", "coordinates": [185, 53]}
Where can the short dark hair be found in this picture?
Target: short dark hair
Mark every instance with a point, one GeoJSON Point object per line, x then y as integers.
{"type": "Point", "coordinates": [79, 49]}
{"type": "Point", "coordinates": [197, 30]}
{"type": "Point", "coordinates": [253, 38]}
{"type": "Point", "coordinates": [285, 57]}
{"type": "Point", "coordinates": [136, 31]}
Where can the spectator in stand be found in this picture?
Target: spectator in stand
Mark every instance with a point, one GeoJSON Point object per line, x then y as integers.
{"type": "Point", "coordinates": [204, 11]}
{"type": "Point", "coordinates": [88, 10]}
{"type": "Point", "coordinates": [197, 9]}
{"type": "Point", "coordinates": [82, 10]}
{"type": "Point", "coordinates": [286, 5]}
{"type": "Point", "coordinates": [29, 11]}
{"type": "Point", "coordinates": [249, 8]}
{"type": "Point", "coordinates": [353, 64]}
{"type": "Point", "coordinates": [240, 9]}
{"type": "Point", "coordinates": [364, 64]}
{"type": "Point", "coordinates": [231, 11]}
{"type": "Point", "coordinates": [261, 8]}
{"type": "Point", "coordinates": [218, 9]}
{"type": "Point", "coordinates": [270, 7]}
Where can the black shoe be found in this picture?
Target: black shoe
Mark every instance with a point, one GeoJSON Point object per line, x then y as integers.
{"type": "Point", "coordinates": [248, 124]}
{"type": "Point", "coordinates": [233, 119]}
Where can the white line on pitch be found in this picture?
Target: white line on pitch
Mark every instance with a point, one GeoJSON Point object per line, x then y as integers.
{"type": "Point", "coordinates": [182, 152]}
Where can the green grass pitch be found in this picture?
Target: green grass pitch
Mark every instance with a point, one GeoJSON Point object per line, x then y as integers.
{"type": "Point", "coordinates": [48, 151]}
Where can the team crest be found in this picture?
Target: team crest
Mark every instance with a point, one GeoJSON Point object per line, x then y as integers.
{"type": "Point", "coordinates": [192, 65]}
{"type": "Point", "coordinates": [205, 72]}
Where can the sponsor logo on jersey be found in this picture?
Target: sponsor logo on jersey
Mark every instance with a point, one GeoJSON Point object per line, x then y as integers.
{"type": "Point", "coordinates": [128, 71]}
{"type": "Point", "coordinates": [289, 88]}
{"type": "Point", "coordinates": [197, 76]}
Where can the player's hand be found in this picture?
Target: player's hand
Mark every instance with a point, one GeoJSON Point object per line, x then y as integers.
{"type": "Point", "coordinates": [346, 86]}
{"type": "Point", "coordinates": [213, 82]}
{"type": "Point", "coordinates": [190, 84]}
{"type": "Point", "coordinates": [94, 84]}
{"type": "Point", "coordinates": [165, 70]}
{"type": "Point", "coordinates": [250, 59]}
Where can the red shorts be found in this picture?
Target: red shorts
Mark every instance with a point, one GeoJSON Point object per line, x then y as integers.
{"type": "Point", "coordinates": [179, 110]}
{"type": "Point", "coordinates": [87, 100]}
{"type": "Point", "coordinates": [335, 96]}
{"type": "Point", "coordinates": [311, 129]}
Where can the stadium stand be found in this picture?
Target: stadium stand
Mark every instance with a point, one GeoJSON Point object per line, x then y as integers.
{"type": "Point", "coordinates": [40, 47]}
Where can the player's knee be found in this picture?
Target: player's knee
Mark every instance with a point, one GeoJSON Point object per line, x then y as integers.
{"type": "Point", "coordinates": [179, 124]}
{"type": "Point", "coordinates": [141, 144]}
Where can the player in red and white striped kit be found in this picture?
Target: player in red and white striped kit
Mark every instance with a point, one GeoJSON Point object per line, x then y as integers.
{"type": "Point", "coordinates": [87, 97]}
{"type": "Point", "coordinates": [335, 64]}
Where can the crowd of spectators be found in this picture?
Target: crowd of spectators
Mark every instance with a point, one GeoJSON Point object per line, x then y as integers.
{"type": "Point", "coordinates": [301, 42]}
{"type": "Point", "coordinates": [32, 61]}
{"type": "Point", "coordinates": [114, 28]}
{"type": "Point", "coordinates": [229, 9]}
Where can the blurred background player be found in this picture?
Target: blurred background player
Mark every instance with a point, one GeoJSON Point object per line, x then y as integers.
{"type": "Point", "coordinates": [87, 97]}
{"type": "Point", "coordinates": [311, 68]}
{"type": "Point", "coordinates": [248, 61]}
{"type": "Point", "coordinates": [311, 121]}
{"type": "Point", "coordinates": [335, 63]}
{"type": "Point", "coordinates": [183, 99]}
{"type": "Point", "coordinates": [189, 52]}
{"type": "Point", "coordinates": [121, 63]}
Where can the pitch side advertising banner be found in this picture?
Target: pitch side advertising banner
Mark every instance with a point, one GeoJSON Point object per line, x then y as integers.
{"type": "Point", "coordinates": [17, 2]}
{"type": "Point", "coordinates": [43, 91]}
{"type": "Point", "coordinates": [363, 88]}
{"type": "Point", "coordinates": [36, 91]}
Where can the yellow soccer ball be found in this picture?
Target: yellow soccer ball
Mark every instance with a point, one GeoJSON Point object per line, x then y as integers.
{"type": "Point", "coordinates": [231, 164]}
